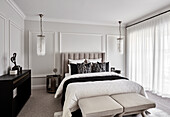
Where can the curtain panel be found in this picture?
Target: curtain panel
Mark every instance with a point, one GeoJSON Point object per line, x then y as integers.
{"type": "Point", "coordinates": [148, 54]}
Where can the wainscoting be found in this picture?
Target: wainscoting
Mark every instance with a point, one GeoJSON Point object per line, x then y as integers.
{"type": "Point", "coordinates": [2, 44]}
{"type": "Point", "coordinates": [11, 35]}
{"type": "Point", "coordinates": [12, 41]}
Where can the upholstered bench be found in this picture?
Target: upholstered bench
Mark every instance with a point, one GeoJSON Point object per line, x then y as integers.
{"type": "Point", "coordinates": [100, 106]}
{"type": "Point", "coordinates": [133, 103]}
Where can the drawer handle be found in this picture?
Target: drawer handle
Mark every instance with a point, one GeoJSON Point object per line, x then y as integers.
{"type": "Point", "coordinates": [14, 82]}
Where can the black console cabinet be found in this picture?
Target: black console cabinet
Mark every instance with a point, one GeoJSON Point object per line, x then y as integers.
{"type": "Point", "coordinates": [14, 92]}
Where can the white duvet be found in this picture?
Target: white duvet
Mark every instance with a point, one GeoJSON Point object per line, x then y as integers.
{"type": "Point", "coordinates": [76, 91]}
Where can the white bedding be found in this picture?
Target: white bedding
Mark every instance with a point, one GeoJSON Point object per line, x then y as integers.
{"type": "Point", "coordinates": [76, 91]}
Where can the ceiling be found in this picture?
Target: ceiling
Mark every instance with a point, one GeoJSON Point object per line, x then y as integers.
{"type": "Point", "coordinates": [105, 12]}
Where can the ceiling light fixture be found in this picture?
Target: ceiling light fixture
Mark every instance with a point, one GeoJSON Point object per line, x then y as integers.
{"type": "Point", "coordinates": [120, 40]}
{"type": "Point", "coordinates": [41, 40]}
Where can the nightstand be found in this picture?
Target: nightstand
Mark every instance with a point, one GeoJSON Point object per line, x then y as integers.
{"type": "Point", "coordinates": [51, 83]}
{"type": "Point", "coordinates": [112, 69]}
{"type": "Point", "coordinates": [117, 71]}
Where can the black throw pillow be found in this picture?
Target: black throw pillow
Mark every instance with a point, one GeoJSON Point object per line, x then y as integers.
{"type": "Point", "coordinates": [74, 69]}
{"type": "Point", "coordinates": [107, 66]}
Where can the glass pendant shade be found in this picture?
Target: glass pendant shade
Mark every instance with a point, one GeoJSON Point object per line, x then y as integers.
{"type": "Point", "coordinates": [120, 45]}
{"type": "Point", "coordinates": [40, 45]}
{"type": "Point", "coordinates": [41, 40]}
{"type": "Point", "coordinates": [120, 41]}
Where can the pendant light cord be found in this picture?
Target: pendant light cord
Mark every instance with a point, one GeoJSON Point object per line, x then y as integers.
{"type": "Point", "coordinates": [120, 29]}
{"type": "Point", "coordinates": [41, 23]}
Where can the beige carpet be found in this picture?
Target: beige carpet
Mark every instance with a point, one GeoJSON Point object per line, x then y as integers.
{"type": "Point", "coordinates": [40, 104]}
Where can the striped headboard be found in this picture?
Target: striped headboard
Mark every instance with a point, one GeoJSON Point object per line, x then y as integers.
{"type": "Point", "coordinates": [76, 56]}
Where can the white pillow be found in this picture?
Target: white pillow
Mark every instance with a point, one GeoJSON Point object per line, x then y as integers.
{"type": "Point", "coordinates": [69, 69]}
{"type": "Point", "coordinates": [76, 61]}
{"type": "Point", "coordinates": [94, 60]}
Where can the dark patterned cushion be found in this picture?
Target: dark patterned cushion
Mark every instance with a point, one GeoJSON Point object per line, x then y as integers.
{"type": "Point", "coordinates": [100, 67]}
{"type": "Point", "coordinates": [84, 68]}
{"type": "Point", "coordinates": [96, 67]}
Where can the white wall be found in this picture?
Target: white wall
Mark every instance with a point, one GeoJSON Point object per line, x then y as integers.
{"type": "Point", "coordinates": [11, 35]}
{"type": "Point", "coordinates": [67, 37]}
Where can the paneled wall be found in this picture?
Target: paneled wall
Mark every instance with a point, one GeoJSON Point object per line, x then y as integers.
{"type": "Point", "coordinates": [42, 65]}
{"type": "Point", "coordinates": [11, 36]}
{"type": "Point", "coordinates": [67, 37]}
{"type": "Point", "coordinates": [113, 54]}
{"type": "Point", "coordinates": [2, 44]}
{"type": "Point", "coordinates": [81, 42]}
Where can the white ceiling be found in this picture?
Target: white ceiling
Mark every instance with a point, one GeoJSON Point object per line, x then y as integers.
{"type": "Point", "coordinates": [90, 11]}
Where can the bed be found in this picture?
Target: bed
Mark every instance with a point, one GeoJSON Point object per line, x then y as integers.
{"type": "Point", "coordinates": [78, 86]}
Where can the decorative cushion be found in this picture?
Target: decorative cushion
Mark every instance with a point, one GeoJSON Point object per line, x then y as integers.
{"type": "Point", "coordinates": [100, 67]}
{"type": "Point", "coordinates": [96, 67]}
{"type": "Point", "coordinates": [99, 106]}
{"type": "Point", "coordinates": [73, 69]}
{"type": "Point", "coordinates": [84, 68]}
{"type": "Point", "coordinates": [107, 66]}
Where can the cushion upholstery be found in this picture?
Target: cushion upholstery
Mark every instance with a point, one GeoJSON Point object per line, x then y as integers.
{"type": "Point", "coordinates": [133, 102]}
{"type": "Point", "coordinates": [99, 106]}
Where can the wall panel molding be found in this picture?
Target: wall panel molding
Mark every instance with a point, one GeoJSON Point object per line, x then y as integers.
{"type": "Point", "coordinates": [2, 71]}
{"type": "Point", "coordinates": [84, 39]}
{"type": "Point", "coordinates": [112, 53]}
{"type": "Point", "coordinates": [48, 60]}
{"type": "Point", "coordinates": [19, 40]}
{"type": "Point", "coordinates": [16, 8]}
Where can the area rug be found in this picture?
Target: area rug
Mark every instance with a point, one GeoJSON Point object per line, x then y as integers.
{"type": "Point", "coordinates": [153, 113]}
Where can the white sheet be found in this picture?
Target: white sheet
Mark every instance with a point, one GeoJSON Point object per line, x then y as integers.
{"type": "Point", "coordinates": [76, 91]}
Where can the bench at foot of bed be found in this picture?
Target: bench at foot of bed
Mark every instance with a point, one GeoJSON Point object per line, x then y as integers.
{"type": "Point", "coordinates": [100, 106]}
{"type": "Point", "coordinates": [133, 103]}
{"type": "Point", "coordinates": [115, 105]}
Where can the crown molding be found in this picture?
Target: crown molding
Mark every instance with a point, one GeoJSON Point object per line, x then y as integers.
{"type": "Point", "coordinates": [35, 18]}
{"type": "Point", "coordinates": [16, 8]}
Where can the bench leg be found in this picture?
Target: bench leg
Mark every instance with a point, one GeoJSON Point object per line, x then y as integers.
{"type": "Point", "coordinates": [143, 114]}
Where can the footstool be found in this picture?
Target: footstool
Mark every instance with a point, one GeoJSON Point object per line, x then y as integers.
{"type": "Point", "coordinates": [133, 103]}
{"type": "Point", "coordinates": [100, 106]}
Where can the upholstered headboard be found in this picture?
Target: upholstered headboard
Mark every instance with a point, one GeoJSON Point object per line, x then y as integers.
{"type": "Point", "coordinates": [75, 56]}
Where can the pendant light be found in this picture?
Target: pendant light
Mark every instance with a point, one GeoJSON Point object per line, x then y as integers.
{"type": "Point", "coordinates": [41, 40]}
{"type": "Point", "coordinates": [120, 40]}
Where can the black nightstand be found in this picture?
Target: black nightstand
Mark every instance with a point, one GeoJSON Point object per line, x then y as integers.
{"type": "Point", "coordinates": [51, 83]}
{"type": "Point", "coordinates": [117, 71]}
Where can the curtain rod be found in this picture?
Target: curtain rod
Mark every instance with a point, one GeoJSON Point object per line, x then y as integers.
{"type": "Point", "coordinates": [148, 18]}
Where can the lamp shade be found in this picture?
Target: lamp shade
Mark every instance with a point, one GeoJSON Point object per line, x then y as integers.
{"type": "Point", "coordinates": [41, 40]}
{"type": "Point", "coordinates": [120, 40]}
{"type": "Point", "coordinates": [40, 45]}
{"type": "Point", "coordinates": [120, 45]}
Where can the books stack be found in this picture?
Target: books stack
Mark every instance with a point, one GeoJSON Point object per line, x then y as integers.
{"type": "Point", "coordinates": [13, 72]}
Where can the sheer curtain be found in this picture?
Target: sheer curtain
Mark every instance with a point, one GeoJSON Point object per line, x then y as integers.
{"type": "Point", "coordinates": [148, 54]}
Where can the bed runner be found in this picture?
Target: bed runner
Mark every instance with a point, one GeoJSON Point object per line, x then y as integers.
{"type": "Point", "coordinates": [88, 79]}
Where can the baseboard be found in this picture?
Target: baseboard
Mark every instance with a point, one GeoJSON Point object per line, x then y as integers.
{"type": "Point", "coordinates": [38, 87]}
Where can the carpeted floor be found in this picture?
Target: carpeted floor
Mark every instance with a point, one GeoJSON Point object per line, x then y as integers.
{"type": "Point", "coordinates": [43, 104]}
{"type": "Point", "coordinates": [40, 104]}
